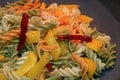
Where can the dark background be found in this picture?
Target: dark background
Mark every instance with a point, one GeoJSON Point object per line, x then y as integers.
{"type": "Point", "coordinates": [106, 14]}
{"type": "Point", "coordinates": [113, 6]}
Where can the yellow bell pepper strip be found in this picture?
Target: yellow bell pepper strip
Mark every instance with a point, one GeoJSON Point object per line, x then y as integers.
{"type": "Point", "coordinates": [38, 67]}
{"type": "Point", "coordinates": [28, 64]}
{"type": "Point", "coordinates": [85, 19]}
{"type": "Point", "coordinates": [95, 44]}
{"type": "Point", "coordinates": [1, 57]}
{"type": "Point", "coordinates": [32, 37]}
{"type": "Point", "coordinates": [91, 67]}
{"type": "Point", "coordinates": [50, 40]}
{"type": "Point", "coordinates": [3, 77]}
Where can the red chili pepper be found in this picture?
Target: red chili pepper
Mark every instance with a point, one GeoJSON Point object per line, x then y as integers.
{"type": "Point", "coordinates": [49, 66]}
{"type": "Point", "coordinates": [24, 28]}
{"type": "Point", "coordinates": [75, 37]}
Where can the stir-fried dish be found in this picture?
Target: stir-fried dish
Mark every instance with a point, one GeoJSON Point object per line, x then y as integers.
{"type": "Point", "coordinates": [51, 42]}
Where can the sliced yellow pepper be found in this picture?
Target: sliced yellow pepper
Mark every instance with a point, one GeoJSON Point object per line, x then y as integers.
{"type": "Point", "coordinates": [50, 39]}
{"type": "Point", "coordinates": [95, 44]}
{"type": "Point", "coordinates": [32, 37]}
{"type": "Point", "coordinates": [91, 66]}
{"type": "Point", "coordinates": [28, 64]}
{"type": "Point", "coordinates": [38, 67]}
{"type": "Point", "coordinates": [85, 19]}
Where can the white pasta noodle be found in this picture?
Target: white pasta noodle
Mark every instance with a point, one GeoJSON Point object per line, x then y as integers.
{"type": "Point", "coordinates": [48, 16]}
{"type": "Point", "coordinates": [12, 18]}
{"type": "Point", "coordinates": [5, 25]}
{"type": "Point", "coordinates": [66, 11]}
{"type": "Point", "coordinates": [105, 39]}
{"type": "Point", "coordinates": [86, 29]}
{"type": "Point", "coordinates": [21, 60]}
{"type": "Point", "coordinates": [75, 12]}
{"type": "Point", "coordinates": [68, 72]}
{"type": "Point", "coordinates": [53, 6]}
{"type": "Point", "coordinates": [79, 49]}
{"type": "Point", "coordinates": [10, 74]}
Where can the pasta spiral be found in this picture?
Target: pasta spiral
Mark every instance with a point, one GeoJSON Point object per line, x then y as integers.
{"type": "Point", "coordinates": [9, 49]}
{"type": "Point", "coordinates": [33, 12]}
{"type": "Point", "coordinates": [10, 21]}
{"type": "Point", "coordinates": [86, 29]}
{"type": "Point", "coordinates": [108, 55]}
{"type": "Point", "coordinates": [21, 60]}
{"type": "Point", "coordinates": [100, 65]}
{"type": "Point", "coordinates": [10, 35]}
{"type": "Point", "coordinates": [79, 49]}
{"type": "Point", "coordinates": [36, 23]}
{"type": "Point", "coordinates": [10, 74]}
{"type": "Point", "coordinates": [67, 72]}
{"type": "Point", "coordinates": [73, 13]}
{"type": "Point", "coordinates": [12, 18]}
{"type": "Point", "coordinates": [104, 39]}
{"type": "Point", "coordinates": [81, 62]}
{"type": "Point", "coordinates": [41, 46]}
{"type": "Point", "coordinates": [48, 16]}
{"type": "Point", "coordinates": [52, 7]}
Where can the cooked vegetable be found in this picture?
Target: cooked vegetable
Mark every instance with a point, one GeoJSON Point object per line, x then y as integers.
{"type": "Point", "coordinates": [75, 37]}
{"type": "Point", "coordinates": [24, 27]}
{"type": "Point", "coordinates": [28, 64]}
{"type": "Point", "coordinates": [91, 67]}
{"type": "Point", "coordinates": [50, 39]}
{"type": "Point", "coordinates": [95, 44]}
{"type": "Point", "coordinates": [49, 66]}
{"type": "Point", "coordinates": [38, 67]}
{"type": "Point", "coordinates": [32, 37]}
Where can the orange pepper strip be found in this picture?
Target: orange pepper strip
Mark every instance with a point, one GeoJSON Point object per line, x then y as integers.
{"type": "Point", "coordinates": [43, 6]}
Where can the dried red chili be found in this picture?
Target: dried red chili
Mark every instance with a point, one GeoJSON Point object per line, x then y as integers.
{"type": "Point", "coordinates": [49, 66]}
{"type": "Point", "coordinates": [75, 37]}
{"type": "Point", "coordinates": [24, 28]}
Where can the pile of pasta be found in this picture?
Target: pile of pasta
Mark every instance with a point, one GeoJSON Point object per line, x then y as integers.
{"type": "Point", "coordinates": [44, 56]}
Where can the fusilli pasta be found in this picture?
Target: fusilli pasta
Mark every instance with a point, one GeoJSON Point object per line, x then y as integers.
{"type": "Point", "coordinates": [100, 65]}
{"type": "Point", "coordinates": [45, 53]}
